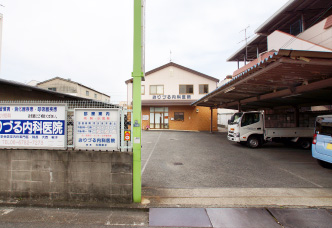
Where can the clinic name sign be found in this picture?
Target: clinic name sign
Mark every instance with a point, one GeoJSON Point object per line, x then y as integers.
{"type": "Point", "coordinates": [97, 129]}
{"type": "Point", "coordinates": [171, 97]}
{"type": "Point", "coordinates": [33, 126]}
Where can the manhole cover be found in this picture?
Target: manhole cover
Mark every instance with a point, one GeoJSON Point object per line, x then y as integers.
{"type": "Point", "coordinates": [178, 163]}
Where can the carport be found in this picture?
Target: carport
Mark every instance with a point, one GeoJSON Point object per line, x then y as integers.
{"type": "Point", "coordinates": [286, 78]}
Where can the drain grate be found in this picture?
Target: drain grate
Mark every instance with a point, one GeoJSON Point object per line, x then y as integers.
{"type": "Point", "coordinates": [172, 139]}
{"type": "Point", "coordinates": [178, 163]}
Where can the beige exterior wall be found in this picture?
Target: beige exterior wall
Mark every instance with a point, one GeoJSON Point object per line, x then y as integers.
{"type": "Point", "coordinates": [61, 86]}
{"type": "Point", "coordinates": [315, 38]}
{"type": "Point", "coordinates": [280, 40]}
{"type": "Point", "coordinates": [171, 78]}
{"type": "Point", "coordinates": [74, 89]}
{"type": "Point", "coordinates": [129, 94]}
{"type": "Point", "coordinates": [318, 35]}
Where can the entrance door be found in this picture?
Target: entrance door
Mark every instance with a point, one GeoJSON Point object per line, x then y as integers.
{"type": "Point", "coordinates": [159, 120]}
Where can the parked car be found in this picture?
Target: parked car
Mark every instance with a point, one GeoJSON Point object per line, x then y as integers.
{"type": "Point", "coordinates": [322, 141]}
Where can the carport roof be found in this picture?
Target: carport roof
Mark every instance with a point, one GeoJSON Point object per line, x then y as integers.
{"type": "Point", "coordinates": [285, 78]}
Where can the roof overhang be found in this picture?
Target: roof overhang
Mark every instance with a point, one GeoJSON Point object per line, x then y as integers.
{"type": "Point", "coordinates": [311, 11]}
{"type": "Point", "coordinates": [285, 78]}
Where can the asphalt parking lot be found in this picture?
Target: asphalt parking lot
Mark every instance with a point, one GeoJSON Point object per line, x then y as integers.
{"type": "Point", "coordinates": [174, 159]}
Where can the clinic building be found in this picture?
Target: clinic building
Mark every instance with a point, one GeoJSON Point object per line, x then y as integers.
{"type": "Point", "coordinates": [167, 94]}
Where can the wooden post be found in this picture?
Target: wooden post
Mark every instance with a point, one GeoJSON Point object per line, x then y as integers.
{"type": "Point", "coordinates": [211, 126]}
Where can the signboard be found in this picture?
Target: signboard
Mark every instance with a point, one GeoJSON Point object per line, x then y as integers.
{"type": "Point", "coordinates": [127, 136]}
{"type": "Point", "coordinates": [33, 126]}
{"type": "Point", "coordinates": [171, 97]}
{"type": "Point", "coordinates": [97, 129]}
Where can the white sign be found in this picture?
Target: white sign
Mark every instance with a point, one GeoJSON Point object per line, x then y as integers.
{"type": "Point", "coordinates": [34, 126]}
{"type": "Point", "coordinates": [97, 129]}
{"type": "Point", "coordinates": [145, 117]}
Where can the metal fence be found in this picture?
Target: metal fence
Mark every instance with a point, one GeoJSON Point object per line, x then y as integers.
{"type": "Point", "coordinates": [125, 117]}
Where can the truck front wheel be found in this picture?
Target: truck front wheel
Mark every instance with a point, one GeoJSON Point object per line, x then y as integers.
{"type": "Point", "coordinates": [253, 142]}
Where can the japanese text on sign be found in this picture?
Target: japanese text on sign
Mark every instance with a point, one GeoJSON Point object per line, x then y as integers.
{"type": "Point", "coordinates": [96, 129]}
{"type": "Point", "coordinates": [171, 97]}
{"type": "Point", "coordinates": [33, 126]}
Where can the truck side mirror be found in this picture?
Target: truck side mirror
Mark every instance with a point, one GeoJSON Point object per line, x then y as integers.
{"type": "Point", "coordinates": [229, 121]}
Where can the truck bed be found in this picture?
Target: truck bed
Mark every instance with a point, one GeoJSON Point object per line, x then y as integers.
{"type": "Point", "coordinates": [289, 132]}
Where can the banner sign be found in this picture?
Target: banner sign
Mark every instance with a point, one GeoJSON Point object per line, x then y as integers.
{"type": "Point", "coordinates": [33, 126]}
{"type": "Point", "coordinates": [97, 129]}
{"type": "Point", "coordinates": [127, 135]}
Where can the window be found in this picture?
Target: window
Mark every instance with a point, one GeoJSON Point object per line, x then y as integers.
{"type": "Point", "coordinates": [87, 93]}
{"type": "Point", "coordinates": [324, 126]}
{"type": "Point", "coordinates": [204, 88]}
{"type": "Point", "coordinates": [142, 90]}
{"type": "Point", "coordinates": [249, 118]}
{"type": "Point", "coordinates": [184, 89]}
{"type": "Point", "coordinates": [179, 116]}
{"type": "Point", "coordinates": [296, 27]}
{"type": "Point", "coordinates": [156, 90]}
{"type": "Point", "coordinates": [95, 95]}
{"type": "Point", "coordinates": [52, 89]}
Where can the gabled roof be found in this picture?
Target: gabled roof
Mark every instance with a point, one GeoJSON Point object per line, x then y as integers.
{"type": "Point", "coordinates": [180, 67]}
{"type": "Point", "coordinates": [34, 88]}
{"type": "Point", "coordinates": [73, 82]}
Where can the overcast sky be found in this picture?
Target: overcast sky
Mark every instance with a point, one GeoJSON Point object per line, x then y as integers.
{"type": "Point", "coordinates": [90, 41]}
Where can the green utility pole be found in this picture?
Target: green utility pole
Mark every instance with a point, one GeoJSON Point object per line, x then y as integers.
{"type": "Point", "coordinates": [137, 74]}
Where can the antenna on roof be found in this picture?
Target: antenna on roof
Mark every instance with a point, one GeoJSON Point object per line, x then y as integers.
{"type": "Point", "coordinates": [246, 40]}
{"type": "Point", "coordinates": [170, 55]}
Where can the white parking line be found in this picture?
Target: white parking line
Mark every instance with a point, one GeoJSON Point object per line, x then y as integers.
{"type": "Point", "coordinates": [6, 211]}
{"type": "Point", "coordinates": [147, 161]}
{"type": "Point", "coordinates": [317, 185]}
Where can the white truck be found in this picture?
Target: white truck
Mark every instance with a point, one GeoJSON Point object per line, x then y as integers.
{"type": "Point", "coordinates": [249, 128]}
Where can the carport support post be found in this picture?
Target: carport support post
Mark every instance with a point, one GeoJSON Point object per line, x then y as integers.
{"type": "Point", "coordinates": [211, 126]}
{"type": "Point", "coordinates": [137, 102]}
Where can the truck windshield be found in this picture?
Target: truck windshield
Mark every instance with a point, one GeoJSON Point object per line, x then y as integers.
{"type": "Point", "coordinates": [324, 126]}
{"type": "Point", "coordinates": [236, 117]}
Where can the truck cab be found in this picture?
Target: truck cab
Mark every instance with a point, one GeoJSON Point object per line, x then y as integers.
{"type": "Point", "coordinates": [246, 128]}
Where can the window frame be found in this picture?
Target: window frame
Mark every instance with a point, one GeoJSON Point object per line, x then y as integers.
{"type": "Point", "coordinates": [199, 88]}
{"type": "Point", "coordinates": [87, 93]}
{"type": "Point", "coordinates": [52, 89]}
{"type": "Point", "coordinates": [157, 90]}
{"type": "Point", "coordinates": [177, 119]}
{"type": "Point", "coordinates": [143, 86]}
{"type": "Point", "coordinates": [186, 88]}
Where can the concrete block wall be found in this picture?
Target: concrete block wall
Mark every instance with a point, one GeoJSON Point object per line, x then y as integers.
{"type": "Point", "coordinates": [66, 175]}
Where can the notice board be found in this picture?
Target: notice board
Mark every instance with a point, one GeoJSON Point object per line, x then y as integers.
{"type": "Point", "coordinates": [97, 129]}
